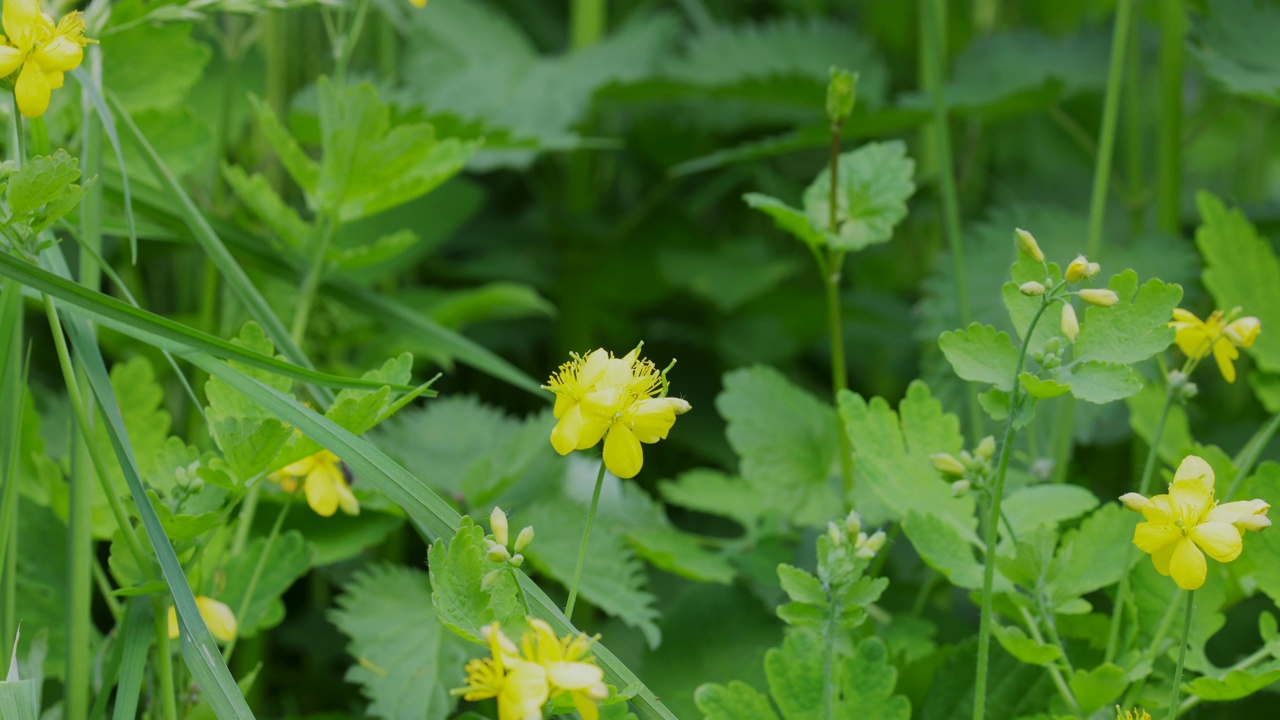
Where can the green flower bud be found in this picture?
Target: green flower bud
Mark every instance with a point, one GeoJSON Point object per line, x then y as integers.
{"type": "Point", "coordinates": [1031, 288]}
{"type": "Point", "coordinates": [1099, 297]}
{"type": "Point", "coordinates": [842, 91]}
{"type": "Point", "coordinates": [986, 447]}
{"type": "Point", "coordinates": [523, 540]}
{"type": "Point", "coordinates": [1027, 244]}
{"type": "Point", "coordinates": [498, 522]}
{"type": "Point", "coordinates": [947, 464]}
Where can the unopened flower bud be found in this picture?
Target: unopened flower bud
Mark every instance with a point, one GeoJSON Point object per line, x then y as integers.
{"type": "Point", "coordinates": [498, 522]}
{"type": "Point", "coordinates": [841, 93]}
{"type": "Point", "coordinates": [1031, 288]}
{"type": "Point", "coordinates": [1081, 269]}
{"type": "Point", "coordinates": [499, 554]}
{"type": "Point", "coordinates": [960, 487]}
{"type": "Point", "coordinates": [490, 579]}
{"type": "Point", "coordinates": [524, 538]}
{"type": "Point", "coordinates": [833, 532]}
{"type": "Point", "coordinates": [680, 405]}
{"type": "Point", "coordinates": [1070, 325]}
{"type": "Point", "coordinates": [516, 560]}
{"type": "Point", "coordinates": [1243, 332]}
{"type": "Point", "coordinates": [1133, 501]}
{"type": "Point", "coordinates": [853, 523]}
{"type": "Point", "coordinates": [1099, 297]}
{"type": "Point", "coordinates": [1027, 244]}
{"type": "Point", "coordinates": [986, 447]}
{"type": "Point", "coordinates": [947, 464]}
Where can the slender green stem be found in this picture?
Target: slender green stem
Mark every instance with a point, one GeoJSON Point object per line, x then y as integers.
{"type": "Point", "coordinates": [934, 54]}
{"type": "Point", "coordinates": [244, 524]}
{"type": "Point", "coordinates": [1107, 133]}
{"type": "Point", "coordinates": [582, 553]}
{"type": "Point", "coordinates": [1144, 487]}
{"type": "Point", "coordinates": [350, 38]}
{"type": "Point", "coordinates": [1133, 133]}
{"type": "Point", "coordinates": [1250, 457]}
{"type": "Point", "coordinates": [833, 270]}
{"type": "Point", "coordinates": [104, 587]}
{"type": "Point", "coordinates": [1054, 673]}
{"type": "Point", "coordinates": [164, 659]}
{"type": "Point", "coordinates": [12, 387]}
{"type": "Point", "coordinates": [993, 526]}
{"type": "Point", "coordinates": [251, 586]}
{"type": "Point", "coordinates": [311, 282]}
{"type": "Point", "coordinates": [828, 659]}
{"type": "Point", "coordinates": [1182, 655]}
{"type": "Point", "coordinates": [1051, 625]}
{"type": "Point", "coordinates": [524, 599]}
{"type": "Point", "coordinates": [586, 23]}
{"type": "Point", "coordinates": [1173, 26]}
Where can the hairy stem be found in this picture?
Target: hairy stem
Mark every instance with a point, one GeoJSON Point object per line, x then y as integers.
{"type": "Point", "coordinates": [1055, 674]}
{"type": "Point", "coordinates": [833, 270]}
{"type": "Point", "coordinates": [582, 553]}
{"type": "Point", "coordinates": [1182, 655]}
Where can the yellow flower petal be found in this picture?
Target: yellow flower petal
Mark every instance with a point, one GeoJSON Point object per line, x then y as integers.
{"type": "Point", "coordinates": [567, 432]}
{"type": "Point", "coordinates": [218, 618]}
{"type": "Point", "coordinates": [33, 91]}
{"type": "Point", "coordinates": [322, 496]}
{"type": "Point", "coordinates": [173, 623]}
{"type": "Point", "coordinates": [1152, 537]}
{"type": "Point", "coordinates": [652, 419]}
{"type": "Point", "coordinates": [1187, 565]}
{"type": "Point", "coordinates": [10, 59]}
{"type": "Point", "coordinates": [1158, 510]}
{"type": "Point", "coordinates": [574, 675]}
{"type": "Point", "coordinates": [622, 452]}
{"type": "Point", "coordinates": [1161, 559]}
{"type": "Point", "coordinates": [1223, 353]}
{"type": "Point", "coordinates": [60, 54]}
{"type": "Point", "coordinates": [20, 19]}
{"type": "Point", "coordinates": [586, 706]}
{"type": "Point", "coordinates": [1244, 331]}
{"type": "Point", "coordinates": [1221, 540]}
{"type": "Point", "coordinates": [523, 693]}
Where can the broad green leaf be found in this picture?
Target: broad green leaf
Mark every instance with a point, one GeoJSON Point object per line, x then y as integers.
{"type": "Point", "coordinates": [792, 220]}
{"type": "Point", "coordinates": [735, 701]}
{"type": "Point", "coordinates": [1099, 382]}
{"type": "Point", "coordinates": [457, 567]}
{"type": "Point", "coordinates": [396, 642]}
{"type": "Point", "coordinates": [384, 249]}
{"type": "Point", "coordinates": [891, 455]}
{"type": "Point", "coordinates": [875, 182]}
{"type": "Point", "coordinates": [1042, 389]}
{"type": "Point", "coordinates": [1144, 415]}
{"type": "Point", "coordinates": [165, 62]}
{"type": "Point", "coordinates": [1234, 46]}
{"type": "Point", "coordinates": [867, 684]}
{"type": "Point", "coordinates": [795, 673]}
{"type": "Point", "coordinates": [1241, 270]}
{"type": "Point", "coordinates": [715, 493]}
{"type": "Point", "coordinates": [257, 193]}
{"type": "Point", "coordinates": [41, 180]}
{"type": "Point", "coordinates": [1026, 649]}
{"type": "Point", "coordinates": [1091, 556]}
{"type": "Point", "coordinates": [1234, 685]}
{"type": "Point", "coordinates": [1097, 688]}
{"type": "Point", "coordinates": [1132, 330]}
{"type": "Point", "coordinates": [943, 548]}
{"type": "Point", "coordinates": [288, 559]}
{"type": "Point", "coordinates": [786, 440]}
{"type": "Point", "coordinates": [491, 301]}
{"type": "Point", "coordinates": [612, 578]}
{"type": "Point", "coordinates": [1015, 689]}
{"type": "Point", "coordinates": [679, 553]}
{"type": "Point", "coordinates": [1045, 506]}
{"type": "Point", "coordinates": [980, 353]}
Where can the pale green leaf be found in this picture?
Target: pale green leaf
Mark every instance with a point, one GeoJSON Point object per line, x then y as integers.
{"type": "Point", "coordinates": [1132, 330]}
{"type": "Point", "coordinates": [716, 493]}
{"type": "Point", "coordinates": [735, 701]}
{"type": "Point", "coordinates": [1091, 556]}
{"type": "Point", "coordinates": [1026, 649]}
{"type": "Point", "coordinates": [801, 586]}
{"type": "Point", "coordinates": [944, 549]}
{"type": "Point", "coordinates": [980, 353]}
{"type": "Point", "coordinates": [1046, 506]}
{"type": "Point", "coordinates": [867, 684]}
{"type": "Point", "coordinates": [792, 220]}
{"type": "Point", "coordinates": [396, 642]}
{"type": "Point", "coordinates": [1097, 688]}
{"type": "Point", "coordinates": [1100, 382]}
{"type": "Point", "coordinates": [257, 193]}
{"type": "Point", "coordinates": [1042, 388]}
{"type": "Point", "coordinates": [795, 673]}
{"type": "Point", "coordinates": [875, 182]}
{"type": "Point", "coordinates": [457, 567]}
{"type": "Point", "coordinates": [384, 249]}
{"type": "Point", "coordinates": [1234, 685]}
{"type": "Point", "coordinates": [289, 558]}
{"type": "Point", "coordinates": [164, 60]}
{"type": "Point", "coordinates": [41, 180]}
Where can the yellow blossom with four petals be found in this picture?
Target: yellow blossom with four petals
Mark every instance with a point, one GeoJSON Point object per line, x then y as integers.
{"type": "Point", "coordinates": [322, 480]}
{"type": "Point", "coordinates": [1186, 523]}
{"type": "Point", "coordinates": [217, 617]}
{"type": "Point", "coordinates": [1218, 334]}
{"type": "Point", "coordinates": [44, 52]}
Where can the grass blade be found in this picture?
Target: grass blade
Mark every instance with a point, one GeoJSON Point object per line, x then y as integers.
{"type": "Point", "coordinates": [130, 319]}
{"type": "Point", "coordinates": [93, 90]}
{"type": "Point", "coordinates": [137, 640]}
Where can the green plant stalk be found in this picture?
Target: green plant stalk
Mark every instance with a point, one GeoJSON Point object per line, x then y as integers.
{"type": "Point", "coordinates": [832, 270]}
{"type": "Point", "coordinates": [311, 282]}
{"type": "Point", "coordinates": [1182, 655]}
{"type": "Point", "coordinates": [232, 52]}
{"type": "Point", "coordinates": [256, 575]}
{"type": "Point", "coordinates": [524, 599]}
{"type": "Point", "coordinates": [586, 533]}
{"type": "Point", "coordinates": [828, 660]}
{"type": "Point", "coordinates": [934, 50]}
{"type": "Point", "coordinates": [1052, 626]}
{"type": "Point", "coordinates": [1144, 487]}
{"type": "Point", "coordinates": [104, 587]}
{"type": "Point", "coordinates": [1133, 134]}
{"type": "Point", "coordinates": [1153, 650]}
{"type": "Point", "coordinates": [244, 524]}
{"type": "Point", "coordinates": [1055, 674]}
{"type": "Point", "coordinates": [1169, 128]}
{"type": "Point", "coordinates": [1249, 457]}
{"type": "Point", "coordinates": [11, 391]}
{"type": "Point", "coordinates": [350, 38]}
{"type": "Point", "coordinates": [586, 23]}
{"type": "Point", "coordinates": [993, 527]}
{"type": "Point", "coordinates": [1107, 133]}
{"type": "Point", "coordinates": [164, 659]}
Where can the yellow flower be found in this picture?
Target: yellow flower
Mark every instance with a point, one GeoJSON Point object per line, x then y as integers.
{"type": "Point", "coordinates": [43, 50]}
{"type": "Point", "coordinates": [323, 481]}
{"type": "Point", "coordinates": [1134, 714]}
{"type": "Point", "coordinates": [217, 617]}
{"type": "Point", "coordinates": [1188, 519]}
{"type": "Point", "coordinates": [1196, 338]}
{"type": "Point", "coordinates": [418, 3]}
{"type": "Point", "coordinates": [520, 687]}
{"type": "Point", "coordinates": [1081, 269]}
{"type": "Point", "coordinates": [568, 666]}
{"type": "Point", "coordinates": [621, 400]}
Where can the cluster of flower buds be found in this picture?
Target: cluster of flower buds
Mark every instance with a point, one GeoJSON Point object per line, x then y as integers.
{"type": "Point", "coordinates": [864, 547]}
{"type": "Point", "coordinates": [968, 467]}
{"type": "Point", "coordinates": [1077, 270]}
{"type": "Point", "coordinates": [499, 549]}
{"type": "Point", "coordinates": [1050, 356]}
{"type": "Point", "coordinates": [1181, 386]}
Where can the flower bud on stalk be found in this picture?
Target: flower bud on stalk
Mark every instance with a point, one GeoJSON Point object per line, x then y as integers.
{"type": "Point", "coordinates": [498, 522]}
{"type": "Point", "coordinates": [947, 464]}
{"type": "Point", "coordinates": [525, 537]}
{"type": "Point", "coordinates": [1099, 297]}
{"type": "Point", "coordinates": [1031, 289]}
{"type": "Point", "coordinates": [842, 90]}
{"type": "Point", "coordinates": [1070, 325]}
{"type": "Point", "coordinates": [986, 448]}
{"type": "Point", "coordinates": [1081, 269]}
{"type": "Point", "coordinates": [1027, 244]}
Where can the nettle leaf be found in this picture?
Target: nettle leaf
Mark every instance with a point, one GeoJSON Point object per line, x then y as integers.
{"type": "Point", "coordinates": [735, 701]}
{"type": "Point", "coordinates": [786, 440]}
{"type": "Point", "coordinates": [716, 493]}
{"type": "Point", "coordinates": [290, 557]}
{"type": "Point", "coordinates": [875, 182]}
{"type": "Point", "coordinates": [1236, 48]}
{"type": "Point", "coordinates": [1087, 559]}
{"type": "Point", "coordinates": [981, 353]}
{"type": "Point", "coordinates": [397, 641]}
{"type": "Point", "coordinates": [868, 683]}
{"type": "Point", "coordinates": [891, 456]}
{"type": "Point", "coordinates": [258, 194]}
{"type": "Point", "coordinates": [1234, 685]}
{"type": "Point", "coordinates": [613, 579]}
{"type": "Point", "coordinates": [456, 569]}
{"type": "Point", "coordinates": [1026, 649]}
{"type": "Point", "coordinates": [864, 681]}
{"type": "Point", "coordinates": [1241, 270]}
{"type": "Point", "coordinates": [41, 180]}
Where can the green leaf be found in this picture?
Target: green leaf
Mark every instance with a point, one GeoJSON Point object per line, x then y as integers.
{"type": "Point", "coordinates": [257, 193]}
{"type": "Point", "coordinates": [786, 440]}
{"type": "Point", "coordinates": [1088, 558]}
{"type": "Point", "coordinates": [787, 218]}
{"type": "Point", "coordinates": [801, 586]}
{"type": "Point", "coordinates": [735, 701]}
{"type": "Point", "coordinates": [382, 250]}
{"type": "Point", "coordinates": [1100, 382]}
{"type": "Point", "coordinates": [1041, 389]}
{"type": "Point", "coordinates": [1046, 506]}
{"type": "Point", "coordinates": [289, 559]}
{"type": "Point", "coordinates": [41, 180]}
{"type": "Point", "coordinates": [891, 456]}
{"type": "Point", "coordinates": [980, 353]}
{"type": "Point", "coordinates": [457, 567]}
{"type": "Point", "coordinates": [715, 493]}
{"type": "Point", "coordinates": [397, 641]}
{"type": "Point", "coordinates": [1144, 415]}
{"type": "Point", "coordinates": [165, 62]}
{"type": "Point", "coordinates": [612, 578]}
{"type": "Point", "coordinates": [1234, 685]}
{"type": "Point", "coordinates": [1263, 549]}
{"type": "Point", "coordinates": [943, 548]}
{"type": "Point", "coordinates": [795, 673]}
{"type": "Point", "coordinates": [871, 199]}
{"type": "Point", "coordinates": [1235, 48]}
{"type": "Point", "coordinates": [1241, 270]}
{"type": "Point", "coordinates": [304, 171]}
{"type": "Point", "coordinates": [1132, 330]}
{"type": "Point", "coordinates": [867, 684]}
{"type": "Point", "coordinates": [1026, 649]}
{"type": "Point", "coordinates": [679, 553]}
{"type": "Point", "coordinates": [1095, 689]}
{"type": "Point", "coordinates": [136, 634]}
